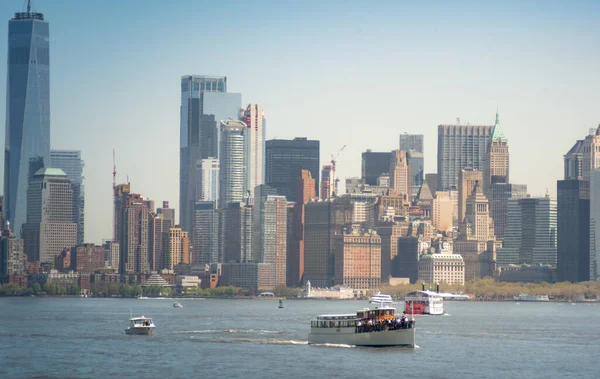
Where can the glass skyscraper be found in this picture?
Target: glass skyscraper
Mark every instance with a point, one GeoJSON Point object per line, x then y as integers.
{"type": "Point", "coordinates": [71, 163]}
{"type": "Point", "coordinates": [204, 104]}
{"type": "Point", "coordinates": [27, 109]}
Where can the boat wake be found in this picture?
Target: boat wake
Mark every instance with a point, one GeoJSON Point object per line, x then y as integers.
{"type": "Point", "coordinates": [268, 341]}
{"type": "Point", "coordinates": [333, 345]}
{"type": "Point", "coordinates": [233, 331]}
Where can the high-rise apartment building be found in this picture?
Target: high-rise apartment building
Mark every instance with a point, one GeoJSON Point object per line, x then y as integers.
{"type": "Point", "coordinates": [400, 177]}
{"type": "Point", "coordinates": [274, 237]}
{"type": "Point", "coordinates": [255, 120]}
{"type": "Point", "coordinates": [111, 250]}
{"type": "Point", "coordinates": [531, 234]}
{"type": "Point", "coordinates": [460, 147]}
{"type": "Point", "coordinates": [87, 258]}
{"type": "Point", "coordinates": [412, 142]}
{"type": "Point", "coordinates": [50, 227]}
{"type": "Point", "coordinates": [357, 261]}
{"type": "Point", "coordinates": [205, 102]}
{"type": "Point", "coordinates": [158, 232]}
{"type": "Point", "coordinates": [467, 179]}
{"type": "Point", "coordinates": [573, 215]}
{"type": "Point", "coordinates": [499, 194]}
{"type": "Point", "coordinates": [12, 254]}
{"type": "Point", "coordinates": [71, 163]}
{"type": "Point", "coordinates": [284, 161]}
{"type": "Point", "coordinates": [27, 109]}
{"type": "Point", "coordinates": [591, 154]}
{"type": "Point", "coordinates": [416, 165]}
{"type": "Point", "coordinates": [177, 248]}
{"type": "Point", "coordinates": [233, 162]}
{"type": "Point", "coordinates": [134, 235]}
{"type": "Point", "coordinates": [166, 212]}
{"type": "Point", "coordinates": [210, 180]}
{"type": "Point", "coordinates": [327, 182]}
{"type": "Point", "coordinates": [121, 192]}
{"type": "Point", "coordinates": [205, 234]}
{"type": "Point", "coordinates": [496, 168]}
{"type": "Point", "coordinates": [373, 165]}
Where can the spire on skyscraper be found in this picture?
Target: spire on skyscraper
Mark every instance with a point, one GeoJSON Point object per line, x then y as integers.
{"type": "Point", "coordinates": [497, 132]}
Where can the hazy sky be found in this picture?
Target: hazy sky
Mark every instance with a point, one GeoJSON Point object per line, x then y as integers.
{"type": "Point", "coordinates": [347, 72]}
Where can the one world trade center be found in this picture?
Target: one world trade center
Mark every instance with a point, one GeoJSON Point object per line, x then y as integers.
{"type": "Point", "coordinates": [27, 110]}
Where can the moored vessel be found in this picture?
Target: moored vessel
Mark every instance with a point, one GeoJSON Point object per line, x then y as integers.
{"type": "Point", "coordinates": [424, 303]}
{"type": "Point", "coordinates": [140, 326]}
{"type": "Point", "coordinates": [527, 297]}
{"type": "Point", "coordinates": [381, 299]}
{"type": "Point", "coordinates": [377, 327]}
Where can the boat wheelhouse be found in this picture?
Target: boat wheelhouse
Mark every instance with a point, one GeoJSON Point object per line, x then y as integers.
{"type": "Point", "coordinates": [140, 326]}
{"type": "Point", "coordinates": [377, 327]}
{"type": "Point", "coordinates": [424, 303]}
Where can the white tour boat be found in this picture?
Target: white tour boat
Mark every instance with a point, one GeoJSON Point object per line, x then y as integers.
{"type": "Point", "coordinates": [527, 297]}
{"type": "Point", "coordinates": [381, 299]}
{"type": "Point", "coordinates": [140, 326]}
{"type": "Point", "coordinates": [377, 327]}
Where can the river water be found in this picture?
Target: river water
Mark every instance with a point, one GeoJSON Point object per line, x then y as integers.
{"type": "Point", "coordinates": [85, 338]}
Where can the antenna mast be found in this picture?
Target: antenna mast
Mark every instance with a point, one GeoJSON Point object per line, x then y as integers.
{"type": "Point", "coordinates": [28, 6]}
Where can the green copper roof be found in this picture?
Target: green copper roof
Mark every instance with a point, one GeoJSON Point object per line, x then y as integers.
{"type": "Point", "coordinates": [497, 131]}
{"type": "Point", "coordinates": [50, 172]}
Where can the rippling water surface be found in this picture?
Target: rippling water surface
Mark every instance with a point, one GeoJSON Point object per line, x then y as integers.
{"type": "Point", "coordinates": [85, 338]}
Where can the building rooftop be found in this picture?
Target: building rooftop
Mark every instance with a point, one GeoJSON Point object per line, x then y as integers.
{"type": "Point", "coordinates": [50, 172]}
{"type": "Point", "coordinates": [497, 133]}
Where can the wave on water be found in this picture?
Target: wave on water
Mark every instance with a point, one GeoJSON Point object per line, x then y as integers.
{"type": "Point", "coordinates": [233, 331]}
{"type": "Point", "coordinates": [334, 345]}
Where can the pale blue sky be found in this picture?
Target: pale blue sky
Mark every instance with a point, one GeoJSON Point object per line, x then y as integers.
{"type": "Point", "coordinates": [344, 72]}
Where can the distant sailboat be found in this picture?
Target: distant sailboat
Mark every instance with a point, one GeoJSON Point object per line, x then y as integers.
{"type": "Point", "coordinates": [280, 304]}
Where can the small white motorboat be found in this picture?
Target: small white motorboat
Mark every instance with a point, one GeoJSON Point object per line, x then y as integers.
{"type": "Point", "coordinates": [140, 326]}
{"type": "Point", "coordinates": [177, 305]}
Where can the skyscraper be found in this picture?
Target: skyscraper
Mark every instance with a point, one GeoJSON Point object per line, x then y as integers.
{"type": "Point", "coordinates": [327, 182]}
{"type": "Point", "coordinates": [467, 180]}
{"type": "Point", "coordinates": [358, 260]}
{"type": "Point", "coordinates": [158, 232]}
{"type": "Point", "coordinates": [531, 233]}
{"type": "Point", "coordinates": [236, 227]}
{"type": "Point", "coordinates": [284, 161]}
{"type": "Point", "coordinates": [134, 236]}
{"type": "Point", "coordinates": [210, 180]}
{"type": "Point", "coordinates": [274, 238]}
{"type": "Point", "coordinates": [204, 103]}
{"type": "Point", "coordinates": [496, 168]}
{"type": "Point", "coordinates": [416, 165]}
{"type": "Point", "coordinates": [177, 248]}
{"type": "Point", "coordinates": [411, 142]}
{"type": "Point", "coordinates": [27, 109]}
{"type": "Point", "coordinates": [50, 227]}
{"type": "Point", "coordinates": [254, 117]}
{"type": "Point", "coordinates": [400, 178]}
{"type": "Point", "coordinates": [233, 163]}
{"type": "Point", "coordinates": [573, 215]}
{"type": "Point", "coordinates": [591, 154]}
{"type": "Point", "coordinates": [499, 194]}
{"type": "Point", "coordinates": [460, 147]}
{"type": "Point", "coordinates": [71, 163]}
{"type": "Point", "coordinates": [373, 165]}
{"type": "Point", "coordinates": [205, 234]}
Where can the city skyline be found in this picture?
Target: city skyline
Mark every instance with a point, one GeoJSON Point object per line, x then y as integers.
{"type": "Point", "coordinates": [93, 111]}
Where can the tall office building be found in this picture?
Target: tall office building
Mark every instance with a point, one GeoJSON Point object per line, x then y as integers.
{"type": "Point", "coordinates": [166, 212]}
{"type": "Point", "coordinates": [412, 142]}
{"type": "Point", "coordinates": [460, 147]}
{"type": "Point", "coordinates": [236, 226]}
{"type": "Point", "coordinates": [574, 162]}
{"type": "Point", "coordinates": [573, 215]}
{"type": "Point", "coordinates": [373, 165]}
{"type": "Point", "coordinates": [274, 237]}
{"type": "Point", "coordinates": [120, 194]}
{"type": "Point", "coordinates": [210, 180]}
{"type": "Point", "coordinates": [284, 161]}
{"type": "Point", "coordinates": [254, 117]}
{"type": "Point", "coordinates": [204, 103]}
{"type": "Point", "coordinates": [416, 165]}
{"type": "Point", "coordinates": [259, 230]}
{"type": "Point", "coordinates": [531, 234]}
{"type": "Point", "coordinates": [27, 109]}
{"type": "Point", "coordinates": [205, 234]}
{"type": "Point", "coordinates": [50, 227]}
{"type": "Point", "coordinates": [467, 179]}
{"type": "Point", "coordinates": [233, 163]}
{"type": "Point", "coordinates": [497, 163]}
{"type": "Point", "coordinates": [134, 236]}
{"type": "Point", "coordinates": [591, 154]}
{"type": "Point", "coordinates": [400, 177]}
{"type": "Point", "coordinates": [595, 225]}
{"type": "Point", "coordinates": [158, 231]}
{"type": "Point", "coordinates": [327, 182]}
{"type": "Point", "coordinates": [71, 163]}
{"type": "Point", "coordinates": [499, 194]}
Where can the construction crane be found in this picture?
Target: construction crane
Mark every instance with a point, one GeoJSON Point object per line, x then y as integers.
{"type": "Point", "coordinates": [335, 180]}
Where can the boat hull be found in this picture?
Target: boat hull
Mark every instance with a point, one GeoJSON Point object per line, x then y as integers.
{"type": "Point", "coordinates": [140, 331]}
{"type": "Point", "coordinates": [347, 336]}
